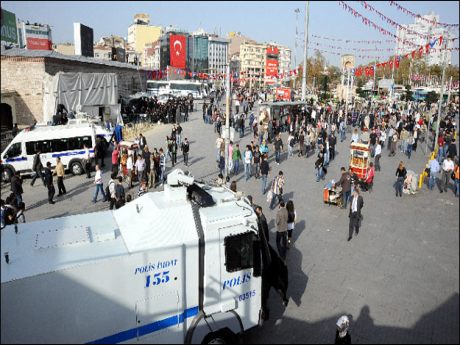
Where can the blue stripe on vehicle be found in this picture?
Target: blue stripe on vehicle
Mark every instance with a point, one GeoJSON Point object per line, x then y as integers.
{"type": "Point", "coordinates": [147, 329]}
{"type": "Point", "coordinates": [74, 153]}
{"type": "Point", "coordinates": [15, 159]}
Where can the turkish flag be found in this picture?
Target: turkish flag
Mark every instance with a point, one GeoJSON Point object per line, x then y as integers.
{"type": "Point", "coordinates": [177, 51]}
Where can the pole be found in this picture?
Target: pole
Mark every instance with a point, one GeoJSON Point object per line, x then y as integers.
{"type": "Point", "coordinates": [392, 79]}
{"type": "Point", "coordinates": [227, 121]}
{"type": "Point", "coordinates": [347, 93]}
{"type": "Point", "coordinates": [441, 96]}
{"type": "Point", "coordinates": [304, 70]}
{"type": "Point", "coordinates": [297, 11]}
{"type": "Point", "coordinates": [314, 85]}
{"type": "Point", "coordinates": [450, 87]}
{"type": "Point", "coordinates": [410, 73]}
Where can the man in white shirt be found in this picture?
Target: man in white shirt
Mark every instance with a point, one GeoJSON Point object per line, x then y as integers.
{"type": "Point", "coordinates": [378, 154]}
{"type": "Point", "coordinates": [247, 162]}
{"type": "Point", "coordinates": [99, 184]}
{"type": "Point", "coordinates": [140, 168]}
{"type": "Point", "coordinates": [447, 169]}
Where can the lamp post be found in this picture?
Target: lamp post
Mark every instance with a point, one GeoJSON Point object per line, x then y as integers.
{"type": "Point", "coordinates": [304, 70]}
{"type": "Point", "coordinates": [227, 121]}
{"type": "Point", "coordinates": [441, 96]}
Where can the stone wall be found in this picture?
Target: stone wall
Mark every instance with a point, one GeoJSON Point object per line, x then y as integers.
{"type": "Point", "coordinates": [26, 76]}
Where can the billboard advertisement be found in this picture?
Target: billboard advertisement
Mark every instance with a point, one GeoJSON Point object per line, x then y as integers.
{"type": "Point", "coordinates": [271, 68]}
{"type": "Point", "coordinates": [36, 36]}
{"type": "Point", "coordinates": [9, 29]}
{"type": "Point", "coordinates": [83, 39]}
{"type": "Point", "coordinates": [177, 51]}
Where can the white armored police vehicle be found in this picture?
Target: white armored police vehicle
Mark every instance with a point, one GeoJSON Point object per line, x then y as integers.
{"type": "Point", "coordinates": [180, 266]}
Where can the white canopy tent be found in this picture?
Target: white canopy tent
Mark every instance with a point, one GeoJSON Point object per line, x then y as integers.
{"type": "Point", "coordinates": [93, 93]}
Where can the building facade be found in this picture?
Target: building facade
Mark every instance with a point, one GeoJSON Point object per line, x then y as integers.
{"type": "Point", "coordinates": [197, 53]}
{"type": "Point", "coordinates": [64, 48]}
{"type": "Point", "coordinates": [218, 54]}
{"type": "Point", "coordinates": [425, 28]}
{"type": "Point", "coordinates": [252, 63]}
{"type": "Point", "coordinates": [139, 34]}
{"type": "Point", "coordinates": [152, 55]}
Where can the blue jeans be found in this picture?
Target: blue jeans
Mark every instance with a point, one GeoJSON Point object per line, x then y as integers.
{"type": "Point", "coordinates": [409, 150]}
{"type": "Point", "coordinates": [277, 156]}
{"type": "Point", "coordinates": [399, 186]}
{"type": "Point", "coordinates": [457, 187]}
{"type": "Point", "coordinates": [162, 174]}
{"type": "Point", "coordinates": [326, 158]}
{"type": "Point", "coordinates": [346, 197]}
{"type": "Point", "coordinates": [247, 170]}
{"type": "Point", "coordinates": [440, 154]}
{"type": "Point", "coordinates": [432, 180]}
{"type": "Point", "coordinates": [101, 188]}
{"type": "Point", "coordinates": [319, 173]}
{"type": "Point", "coordinates": [275, 197]}
{"type": "Point", "coordinates": [236, 167]}
{"type": "Point", "coordinates": [263, 183]}
{"type": "Point", "coordinates": [178, 139]}
{"type": "Point", "coordinates": [342, 135]}
{"type": "Point", "coordinates": [290, 149]}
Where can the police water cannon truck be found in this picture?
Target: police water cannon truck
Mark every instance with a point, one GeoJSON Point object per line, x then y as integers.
{"type": "Point", "coordinates": [184, 265]}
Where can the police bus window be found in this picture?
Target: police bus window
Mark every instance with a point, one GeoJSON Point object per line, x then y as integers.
{"type": "Point", "coordinates": [14, 151]}
{"type": "Point", "coordinates": [239, 252]}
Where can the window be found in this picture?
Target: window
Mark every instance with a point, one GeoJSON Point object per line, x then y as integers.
{"type": "Point", "coordinates": [33, 146]}
{"type": "Point", "coordinates": [239, 252]}
{"type": "Point", "coordinates": [14, 151]}
{"type": "Point", "coordinates": [59, 145]}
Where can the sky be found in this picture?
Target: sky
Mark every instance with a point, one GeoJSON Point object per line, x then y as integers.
{"type": "Point", "coordinates": [262, 21]}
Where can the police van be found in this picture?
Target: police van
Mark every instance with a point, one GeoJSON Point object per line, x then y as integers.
{"type": "Point", "coordinates": [178, 266]}
{"type": "Point", "coordinates": [66, 142]}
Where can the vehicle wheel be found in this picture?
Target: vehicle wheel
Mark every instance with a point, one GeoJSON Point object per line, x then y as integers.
{"type": "Point", "coordinates": [220, 337]}
{"type": "Point", "coordinates": [76, 168]}
{"type": "Point", "coordinates": [7, 173]}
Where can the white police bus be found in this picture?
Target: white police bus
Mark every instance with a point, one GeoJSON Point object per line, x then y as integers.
{"type": "Point", "coordinates": [66, 142]}
{"type": "Point", "coordinates": [178, 88]}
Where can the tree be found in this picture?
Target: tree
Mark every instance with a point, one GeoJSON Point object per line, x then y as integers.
{"type": "Point", "coordinates": [431, 97]}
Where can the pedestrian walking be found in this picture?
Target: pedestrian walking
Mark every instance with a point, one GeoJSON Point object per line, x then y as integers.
{"type": "Point", "coordinates": [256, 157]}
{"type": "Point", "coordinates": [433, 167]}
{"type": "Point", "coordinates": [59, 172]}
{"type": "Point", "coordinates": [279, 147]}
{"type": "Point", "coordinates": [130, 169]}
{"type": "Point", "coordinates": [48, 176]}
{"type": "Point", "coordinates": [292, 215]}
{"type": "Point", "coordinates": [446, 173]}
{"type": "Point", "coordinates": [162, 166]}
{"type": "Point", "coordinates": [99, 184]}
{"type": "Point", "coordinates": [111, 190]}
{"type": "Point", "coordinates": [281, 230]}
{"type": "Point", "coordinates": [115, 159]}
{"type": "Point", "coordinates": [185, 147]}
{"type": "Point", "coordinates": [247, 162]}
{"type": "Point", "coordinates": [264, 171]}
{"type": "Point", "coordinates": [16, 187]}
{"type": "Point", "coordinates": [378, 155]}
{"type": "Point", "coordinates": [37, 167]}
{"type": "Point", "coordinates": [356, 204]}
{"type": "Point", "coordinates": [140, 166]}
{"type": "Point", "coordinates": [401, 173]}
{"type": "Point", "coordinates": [236, 157]}
{"type": "Point", "coordinates": [262, 223]}
{"type": "Point", "coordinates": [119, 193]}
{"type": "Point", "coordinates": [277, 189]}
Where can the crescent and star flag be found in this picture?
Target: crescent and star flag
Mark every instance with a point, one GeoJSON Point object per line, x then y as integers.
{"type": "Point", "coordinates": [177, 51]}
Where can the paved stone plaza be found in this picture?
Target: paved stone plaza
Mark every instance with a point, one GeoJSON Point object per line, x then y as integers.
{"type": "Point", "coordinates": [398, 280]}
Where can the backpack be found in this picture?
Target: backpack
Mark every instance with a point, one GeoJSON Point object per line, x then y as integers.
{"type": "Point", "coordinates": [292, 142]}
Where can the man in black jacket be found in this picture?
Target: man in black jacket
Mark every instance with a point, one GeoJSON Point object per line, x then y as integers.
{"type": "Point", "coordinates": [356, 205]}
{"type": "Point", "coordinates": [185, 149]}
{"type": "Point", "coordinates": [262, 222]}
{"type": "Point", "coordinates": [49, 183]}
{"type": "Point", "coordinates": [264, 170]}
{"type": "Point", "coordinates": [16, 187]}
{"type": "Point", "coordinates": [37, 166]}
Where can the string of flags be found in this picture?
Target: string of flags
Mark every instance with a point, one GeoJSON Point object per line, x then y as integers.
{"type": "Point", "coordinates": [354, 49]}
{"type": "Point", "coordinates": [354, 41]}
{"type": "Point", "coordinates": [235, 77]}
{"type": "Point", "coordinates": [392, 22]}
{"type": "Point", "coordinates": [415, 15]}
{"type": "Point", "coordinates": [395, 60]}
